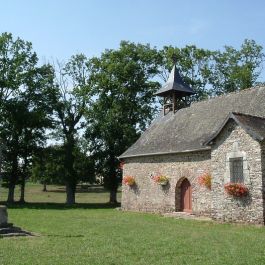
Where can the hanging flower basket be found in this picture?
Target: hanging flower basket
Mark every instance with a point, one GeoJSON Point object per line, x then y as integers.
{"type": "Point", "coordinates": [128, 181]}
{"type": "Point", "coordinates": [236, 189]}
{"type": "Point", "coordinates": [205, 180]}
{"type": "Point", "coordinates": [161, 180]}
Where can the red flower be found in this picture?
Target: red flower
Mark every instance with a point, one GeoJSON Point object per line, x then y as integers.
{"type": "Point", "coordinates": [205, 180]}
{"type": "Point", "coordinates": [128, 180]}
{"type": "Point", "coordinates": [160, 179]}
{"type": "Point", "coordinates": [236, 189]}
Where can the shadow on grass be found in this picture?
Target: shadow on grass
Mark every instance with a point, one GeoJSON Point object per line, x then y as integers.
{"type": "Point", "coordinates": [79, 190]}
{"type": "Point", "coordinates": [59, 206]}
{"type": "Point", "coordinates": [64, 236]}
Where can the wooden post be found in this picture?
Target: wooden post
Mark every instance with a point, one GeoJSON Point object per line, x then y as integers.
{"type": "Point", "coordinates": [164, 110]}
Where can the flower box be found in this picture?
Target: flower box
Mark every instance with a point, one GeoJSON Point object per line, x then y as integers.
{"type": "Point", "coordinates": [236, 189]}
{"type": "Point", "coordinates": [205, 180]}
{"type": "Point", "coordinates": [161, 180]}
{"type": "Point", "coordinates": [128, 181]}
{"type": "Point", "coordinates": [163, 183]}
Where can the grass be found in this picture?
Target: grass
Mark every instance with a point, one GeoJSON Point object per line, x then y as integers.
{"type": "Point", "coordinates": [93, 233]}
{"type": "Point", "coordinates": [56, 194]}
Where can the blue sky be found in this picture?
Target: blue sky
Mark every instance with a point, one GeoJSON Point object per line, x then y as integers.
{"type": "Point", "coordinates": [61, 28]}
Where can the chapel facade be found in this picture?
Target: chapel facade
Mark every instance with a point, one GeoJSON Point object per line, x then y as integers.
{"type": "Point", "coordinates": [222, 138]}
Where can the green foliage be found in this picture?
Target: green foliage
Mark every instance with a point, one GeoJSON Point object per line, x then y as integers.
{"type": "Point", "coordinates": [212, 73]}
{"type": "Point", "coordinates": [84, 166]}
{"type": "Point", "coordinates": [17, 60]}
{"type": "Point", "coordinates": [48, 166]}
{"type": "Point", "coordinates": [123, 82]}
{"type": "Point", "coordinates": [123, 86]}
{"type": "Point", "coordinates": [236, 69]}
{"type": "Point", "coordinates": [109, 98]}
{"type": "Point", "coordinates": [25, 91]}
{"type": "Point", "coordinates": [195, 66]}
{"type": "Point", "coordinates": [71, 98]}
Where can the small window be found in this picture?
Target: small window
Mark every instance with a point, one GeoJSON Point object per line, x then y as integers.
{"type": "Point", "coordinates": [236, 170]}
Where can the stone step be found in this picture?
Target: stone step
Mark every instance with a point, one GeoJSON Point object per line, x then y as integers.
{"type": "Point", "coordinates": [185, 215]}
{"type": "Point", "coordinates": [9, 230]}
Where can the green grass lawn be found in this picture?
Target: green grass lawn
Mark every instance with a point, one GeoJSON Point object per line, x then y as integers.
{"type": "Point", "coordinates": [56, 194]}
{"type": "Point", "coordinates": [93, 233]}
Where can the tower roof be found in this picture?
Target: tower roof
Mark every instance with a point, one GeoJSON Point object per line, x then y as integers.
{"type": "Point", "coordinates": [175, 83]}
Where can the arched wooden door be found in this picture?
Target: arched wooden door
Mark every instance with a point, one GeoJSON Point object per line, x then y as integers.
{"type": "Point", "coordinates": [186, 196]}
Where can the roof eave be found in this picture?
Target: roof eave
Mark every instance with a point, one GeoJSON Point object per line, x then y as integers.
{"type": "Point", "coordinates": [166, 153]}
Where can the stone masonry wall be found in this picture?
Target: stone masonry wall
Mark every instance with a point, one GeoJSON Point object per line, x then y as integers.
{"type": "Point", "coordinates": [151, 197]}
{"type": "Point", "coordinates": [263, 174]}
{"type": "Point", "coordinates": [233, 140]}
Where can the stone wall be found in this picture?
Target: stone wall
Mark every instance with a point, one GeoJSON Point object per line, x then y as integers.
{"type": "Point", "coordinates": [233, 140]}
{"type": "Point", "coordinates": [263, 174]}
{"type": "Point", "coordinates": [151, 197]}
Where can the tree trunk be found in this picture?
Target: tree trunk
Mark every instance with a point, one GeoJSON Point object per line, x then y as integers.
{"type": "Point", "coordinates": [12, 181]}
{"type": "Point", "coordinates": [44, 187]}
{"type": "Point", "coordinates": [11, 193]}
{"type": "Point", "coordinates": [70, 172]}
{"type": "Point", "coordinates": [113, 196]}
{"type": "Point", "coordinates": [22, 191]}
{"type": "Point", "coordinates": [24, 174]}
{"type": "Point", "coordinates": [113, 181]}
{"type": "Point", "coordinates": [70, 194]}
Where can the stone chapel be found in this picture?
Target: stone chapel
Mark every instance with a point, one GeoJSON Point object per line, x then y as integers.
{"type": "Point", "coordinates": [211, 154]}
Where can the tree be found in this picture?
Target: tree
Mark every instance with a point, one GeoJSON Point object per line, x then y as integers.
{"type": "Point", "coordinates": [123, 85]}
{"type": "Point", "coordinates": [48, 166]}
{"type": "Point", "coordinates": [195, 66]}
{"type": "Point", "coordinates": [24, 90]}
{"type": "Point", "coordinates": [212, 73]}
{"type": "Point", "coordinates": [236, 69]}
{"type": "Point", "coordinates": [25, 119]}
{"type": "Point", "coordinates": [84, 165]}
{"type": "Point", "coordinates": [17, 58]}
{"type": "Point", "coordinates": [70, 100]}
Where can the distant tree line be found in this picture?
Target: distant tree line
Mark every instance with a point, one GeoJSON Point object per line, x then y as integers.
{"type": "Point", "coordinates": [69, 122]}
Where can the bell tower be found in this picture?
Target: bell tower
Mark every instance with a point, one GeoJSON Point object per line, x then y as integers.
{"type": "Point", "coordinates": [174, 92]}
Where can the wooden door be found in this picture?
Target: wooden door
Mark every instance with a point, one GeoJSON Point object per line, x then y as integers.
{"type": "Point", "coordinates": [186, 197]}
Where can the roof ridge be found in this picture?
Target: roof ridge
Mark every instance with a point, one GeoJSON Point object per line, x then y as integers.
{"type": "Point", "coordinates": [226, 95]}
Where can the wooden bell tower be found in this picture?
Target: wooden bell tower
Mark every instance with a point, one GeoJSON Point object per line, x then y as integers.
{"type": "Point", "coordinates": [174, 92]}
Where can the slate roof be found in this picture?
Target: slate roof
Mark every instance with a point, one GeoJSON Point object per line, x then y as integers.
{"type": "Point", "coordinates": [190, 128]}
{"type": "Point", "coordinates": [253, 125]}
{"type": "Point", "coordinates": [175, 83]}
